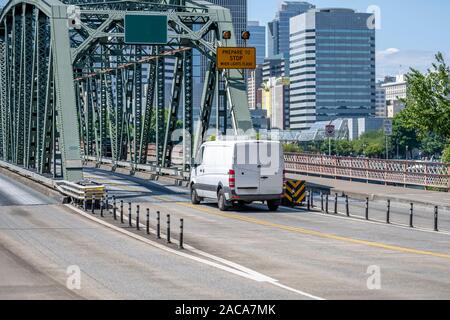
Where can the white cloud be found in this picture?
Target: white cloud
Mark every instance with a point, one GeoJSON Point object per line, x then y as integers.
{"type": "Point", "coordinates": [388, 52]}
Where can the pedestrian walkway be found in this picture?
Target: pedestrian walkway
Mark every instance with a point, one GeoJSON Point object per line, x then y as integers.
{"type": "Point", "coordinates": [377, 192]}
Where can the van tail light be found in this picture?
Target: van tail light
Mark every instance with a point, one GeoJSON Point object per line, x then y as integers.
{"type": "Point", "coordinates": [232, 179]}
{"type": "Point", "coordinates": [284, 175]}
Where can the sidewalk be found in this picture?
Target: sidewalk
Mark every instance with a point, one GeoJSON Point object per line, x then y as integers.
{"type": "Point", "coordinates": [361, 190]}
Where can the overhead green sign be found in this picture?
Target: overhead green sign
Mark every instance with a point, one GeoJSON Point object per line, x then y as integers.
{"type": "Point", "coordinates": [145, 29]}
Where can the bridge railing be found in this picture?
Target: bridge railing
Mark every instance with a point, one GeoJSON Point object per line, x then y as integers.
{"type": "Point", "coordinates": [426, 174]}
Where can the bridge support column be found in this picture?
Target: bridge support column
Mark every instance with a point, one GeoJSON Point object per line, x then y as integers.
{"type": "Point", "coordinates": [69, 140]}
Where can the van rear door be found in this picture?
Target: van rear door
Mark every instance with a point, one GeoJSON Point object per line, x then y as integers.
{"type": "Point", "coordinates": [271, 166]}
{"type": "Point", "coordinates": [246, 167]}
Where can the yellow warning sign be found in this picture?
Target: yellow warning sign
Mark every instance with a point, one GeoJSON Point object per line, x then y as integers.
{"type": "Point", "coordinates": [236, 58]}
{"type": "Point", "coordinates": [295, 191]}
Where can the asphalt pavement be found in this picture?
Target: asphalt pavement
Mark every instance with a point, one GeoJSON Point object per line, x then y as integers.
{"type": "Point", "coordinates": [329, 256]}
{"type": "Point", "coordinates": [42, 243]}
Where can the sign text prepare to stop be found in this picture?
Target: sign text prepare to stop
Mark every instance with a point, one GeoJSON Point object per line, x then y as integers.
{"type": "Point", "coordinates": [236, 58]}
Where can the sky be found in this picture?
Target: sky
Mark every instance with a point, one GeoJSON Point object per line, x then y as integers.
{"type": "Point", "coordinates": [410, 34]}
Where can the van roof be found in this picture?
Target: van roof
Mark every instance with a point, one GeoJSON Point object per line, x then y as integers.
{"type": "Point", "coordinates": [235, 142]}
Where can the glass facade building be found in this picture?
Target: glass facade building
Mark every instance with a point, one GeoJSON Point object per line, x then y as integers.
{"type": "Point", "coordinates": [257, 40]}
{"type": "Point", "coordinates": [332, 67]}
{"type": "Point", "coordinates": [238, 9]}
{"type": "Point", "coordinates": [278, 35]}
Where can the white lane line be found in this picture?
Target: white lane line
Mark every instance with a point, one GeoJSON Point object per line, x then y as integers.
{"type": "Point", "coordinates": [297, 291]}
{"type": "Point", "coordinates": [238, 270]}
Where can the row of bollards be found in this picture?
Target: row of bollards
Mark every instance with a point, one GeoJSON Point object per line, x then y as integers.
{"type": "Point", "coordinates": [104, 202]}
{"type": "Point", "coordinates": [324, 207]}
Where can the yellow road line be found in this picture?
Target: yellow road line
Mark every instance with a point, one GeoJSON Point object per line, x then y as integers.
{"type": "Point", "coordinates": [317, 233]}
{"type": "Point", "coordinates": [302, 230]}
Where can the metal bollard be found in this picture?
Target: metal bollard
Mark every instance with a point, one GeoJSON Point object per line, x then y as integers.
{"type": "Point", "coordinates": [102, 203]}
{"type": "Point", "coordinates": [147, 223]}
{"type": "Point", "coordinates": [137, 218]}
{"type": "Point", "coordinates": [181, 233]}
{"type": "Point", "coordinates": [411, 216]}
{"type": "Point", "coordinates": [158, 225]}
{"type": "Point", "coordinates": [367, 208]}
{"type": "Point", "coordinates": [326, 203]}
{"type": "Point", "coordinates": [321, 201]}
{"type": "Point", "coordinates": [130, 224]}
{"type": "Point", "coordinates": [121, 211]}
{"type": "Point", "coordinates": [85, 203]}
{"type": "Point", "coordinates": [436, 218]}
{"type": "Point", "coordinates": [336, 203]}
{"type": "Point", "coordinates": [114, 207]}
{"type": "Point", "coordinates": [93, 204]}
{"type": "Point", "coordinates": [308, 202]}
{"type": "Point", "coordinates": [168, 228]}
{"type": "Point", "coordinates": [347, 209]}
{"type": "Point", "coordinates": [388, 213]}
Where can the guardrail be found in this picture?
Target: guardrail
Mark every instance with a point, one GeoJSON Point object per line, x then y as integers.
{"type": "Point", "coordinates": [140, 167]}
{"type": "Point", "coordinates": [82, 190]}
{"type": "Point", "coordinates": [408, 173]}
{"type": "Point", "coordinates": [77, 191]}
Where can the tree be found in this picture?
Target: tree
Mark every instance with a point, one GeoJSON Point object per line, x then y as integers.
{"type": "Point", "coordinates": [344, 148]}
{"type": "Point", "coordinates": [446, 155]}
{"type": "Point", "coordinates": [404, 137]}
{"type": "Point", "coordinates": [432, 145]}
{"type": "Point", "coordinates": [292, 148]}
{"type": "Point", "coordinates": [427, 102]}
{"type": "Point", "coordinates": [371, 144]}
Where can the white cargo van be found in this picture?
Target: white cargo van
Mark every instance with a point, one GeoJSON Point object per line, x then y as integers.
{"type": "Point", "coordinates": [238, 172]}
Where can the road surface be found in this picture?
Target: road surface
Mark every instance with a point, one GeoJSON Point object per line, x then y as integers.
{"type": "Point", "coordinates": [325, 255]}
{"type": "Point", "coordinates": [40, 240]}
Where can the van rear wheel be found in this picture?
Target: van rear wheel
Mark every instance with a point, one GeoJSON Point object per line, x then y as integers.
{"type": "Point", "coordinates": [273, 205]}
{"type": "Point", "coordinates": [194, 196]}
{"type": "Point", "coordinates": [222, 201]}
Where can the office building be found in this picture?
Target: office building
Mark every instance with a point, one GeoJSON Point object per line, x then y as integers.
{"type": "Point", "coordinates": [396, 90]}
{"type": "Point", "coordinates": [257, 40]}
{"type": "Point", "coordinates": [274, 68]}
{"type": "Point", "coordinates": [332, 67]}
{"type": "Point", "coordinates": [254, 83]}
{"type": "Point", "coordinates": [238, 9]}
{"type": "Point", "coordinates": [275, 98]}
{"type": "Point", "coordinates": [380, 97]}
{"type": "Point", "coordinates": [279, 28]}
{"type": "Point", "coordinates": [259, 119]}
{"type": "Point", "coordinates": [380, 101]}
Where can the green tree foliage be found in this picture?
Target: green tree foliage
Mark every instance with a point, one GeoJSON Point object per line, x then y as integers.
{"type": "Point", "coordinates": [446, 155]}
{"type": "Point", "coordinates": [344, 148]}
{"type": "Point", "coordinates": [292, 148]}
{"type": "Point", "coordinates": [371, 144]}
{"type": "Point", "coordinates": [427, 102]}
{"type": "Point", "coordinates": [432, 145]}
{"type": "Point", "coordinates": [404, 136]}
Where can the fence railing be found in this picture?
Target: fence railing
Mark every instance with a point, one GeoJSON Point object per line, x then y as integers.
{"type": "Point", "coordinates": [412, 173]}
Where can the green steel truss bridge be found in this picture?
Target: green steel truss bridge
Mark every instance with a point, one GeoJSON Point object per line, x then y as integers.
{"type": "Point", "coordinates": [71, 87]}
